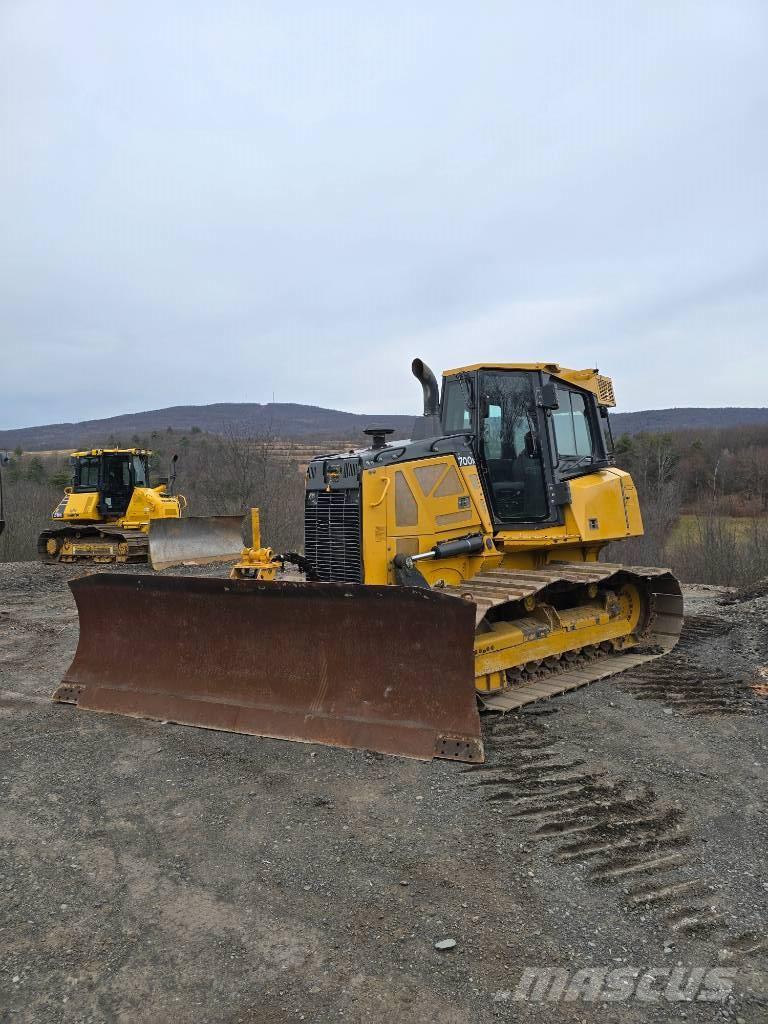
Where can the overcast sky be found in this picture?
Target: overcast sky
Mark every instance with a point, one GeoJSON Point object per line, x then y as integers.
{"type": "Point", "coordinates": [206, 201]}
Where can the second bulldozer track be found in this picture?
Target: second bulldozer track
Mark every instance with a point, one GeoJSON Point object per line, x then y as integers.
{"type": "Point", "coordinates": [136, 540]}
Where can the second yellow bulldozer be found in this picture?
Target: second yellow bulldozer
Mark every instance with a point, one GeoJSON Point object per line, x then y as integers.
{"type": "Point", "coordinates": [111, 513]}
{"type": "Point", "coordinates": [461, 564]}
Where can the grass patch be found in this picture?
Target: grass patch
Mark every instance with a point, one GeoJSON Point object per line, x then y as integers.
{"type": "Point", "coordinates": [688, 527]}
{"type": "Point", "coordinates": [723, 550]}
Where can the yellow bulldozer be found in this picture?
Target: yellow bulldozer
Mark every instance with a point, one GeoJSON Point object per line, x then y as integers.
{"type": "Point", "coordinates": [110, 513]}
{"type": "Point", "coordinates": [454, 570]}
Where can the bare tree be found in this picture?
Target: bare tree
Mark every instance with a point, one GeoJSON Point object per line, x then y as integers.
{"type": "Point", "coordinates": [652, 460]}
{"type": "Point", "coordinates": [28, 507]}
{"type": "Point", "coordinates": [237, 470]}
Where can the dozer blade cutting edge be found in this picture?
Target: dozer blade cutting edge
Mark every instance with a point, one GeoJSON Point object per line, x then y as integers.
{"type": "Point", "coordinates": [373, 667]}
{"type": "Point", "coordinates": [195, 540]}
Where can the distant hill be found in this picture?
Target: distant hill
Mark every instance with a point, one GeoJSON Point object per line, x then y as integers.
{"type": "Point", "coordinates": [658, 421]}
{"type": "Point", "coordinates": [286, 420]}
{"type": "Point", "coordinates": [310, 422]}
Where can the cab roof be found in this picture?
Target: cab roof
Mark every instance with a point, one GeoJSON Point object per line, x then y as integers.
{"type": "Point", "coordinates": [110, 451]}
{"type": "Point", "coordinates": [590, 380]}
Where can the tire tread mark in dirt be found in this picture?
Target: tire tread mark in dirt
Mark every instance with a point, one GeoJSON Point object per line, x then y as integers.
{"type": "Point", "coordinates": [620, 830]}
{"type": "Point", "coordinates": [647, 894]}
{"type": "Point", "coordinates": [680, 682]}
{"type": "Point", "coordinates": [749, 942]}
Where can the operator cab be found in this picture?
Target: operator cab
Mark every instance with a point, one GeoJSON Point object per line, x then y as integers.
{"type": "Point", "coordinates": [114, 474]}
{"type": "Point", "coordinates": [534, 431]}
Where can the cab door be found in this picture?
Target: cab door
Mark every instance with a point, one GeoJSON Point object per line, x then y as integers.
{"type": "Point", "coordinates": [116, 486]}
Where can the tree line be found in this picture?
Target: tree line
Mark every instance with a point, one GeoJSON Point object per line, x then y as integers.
{"type": "Point", "coordinates": [704, 494]}
{"type": "Point", "coordinates": [704, 500]}
{"type": "Point", "coordinates": [722, 469]}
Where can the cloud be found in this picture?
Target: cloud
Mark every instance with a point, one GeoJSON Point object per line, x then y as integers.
{"type": "Point", "coordinates": [209, 204]}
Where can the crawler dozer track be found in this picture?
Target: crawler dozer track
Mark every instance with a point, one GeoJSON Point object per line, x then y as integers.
{"type": "Point", "coordinates": [544, 631]}
{"type": "Point", "coordinates": [101, 544]}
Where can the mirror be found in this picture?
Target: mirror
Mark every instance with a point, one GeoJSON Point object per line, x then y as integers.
{"type": "Point", "coordinates": [548, 399]}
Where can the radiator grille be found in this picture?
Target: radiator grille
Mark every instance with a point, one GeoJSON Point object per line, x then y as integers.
{"type": "Point", "coordinates": [332, 535]}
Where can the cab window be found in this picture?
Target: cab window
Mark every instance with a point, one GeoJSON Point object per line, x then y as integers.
{"type": "Point", "coordinates": [117, 474]}
{"type": "Point", "coordinates": [139, 472]}
{"type": "Point", "coordinates": [504, 436]}
{"type": "Point", "coordinates": [572, 433]}
{"type": "Point", "coordinates": [456, 415]}
{"type": "Point", "coordinates": [87, 474]}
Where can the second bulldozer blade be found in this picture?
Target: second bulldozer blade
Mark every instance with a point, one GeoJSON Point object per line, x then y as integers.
{"type": "Point", "coordinates": [374, 667]}
{"type": "Point", "coordinates": [195, 540]}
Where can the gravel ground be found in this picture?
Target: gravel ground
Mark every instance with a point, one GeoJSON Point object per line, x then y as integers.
{"type": "Point", "coordinates": [157, 873]}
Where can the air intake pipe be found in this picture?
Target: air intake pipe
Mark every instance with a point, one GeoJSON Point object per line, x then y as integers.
{"type": "Point", "coordinates": [427, 425]}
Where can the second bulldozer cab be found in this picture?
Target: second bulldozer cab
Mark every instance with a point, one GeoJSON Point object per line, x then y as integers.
{"type": "Point", "coordinates": [113, 473]}
{"type": "Point", "coordinates": [112, 484]}
{"type": "Point", "coordinates": [533, 427]}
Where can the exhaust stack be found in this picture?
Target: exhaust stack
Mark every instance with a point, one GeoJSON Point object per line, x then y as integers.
{"type": "Point", "coordinates": [427, 425]}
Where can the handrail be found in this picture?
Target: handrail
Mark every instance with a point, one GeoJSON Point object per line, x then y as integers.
{"type": "Point", "coordinates": [385, 489]}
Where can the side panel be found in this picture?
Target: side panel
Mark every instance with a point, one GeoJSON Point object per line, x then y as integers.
{"type": "Point", "coordinates": [146, 503]}
{"type": "Point", "coordinates": [82, 506]}
{"type": "Point", "coordinates": [410, 506]}
{"type": "Point", "coordinates": [430, 499]}
{"type": "Point", "coordinates": [604, 507]}
{"type": "Point", "coordinates": [375, 484]}
{"type": "Point", "coordinates": [631, 505]}
{"type": "Point", "coordinates": [472, 480]}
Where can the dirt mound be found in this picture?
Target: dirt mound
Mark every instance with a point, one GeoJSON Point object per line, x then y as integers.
{"type": "Point", "coordinates": [747, 593]}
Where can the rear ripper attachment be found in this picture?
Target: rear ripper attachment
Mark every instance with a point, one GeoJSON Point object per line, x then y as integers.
{"type": "Point", "coordinates": [373, 667]}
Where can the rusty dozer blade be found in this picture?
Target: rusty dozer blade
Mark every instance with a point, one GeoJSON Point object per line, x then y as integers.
{"type": "Point", "coordinates": [373, 667]}
{"type": "Point", "coordinates": [195, 540]}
